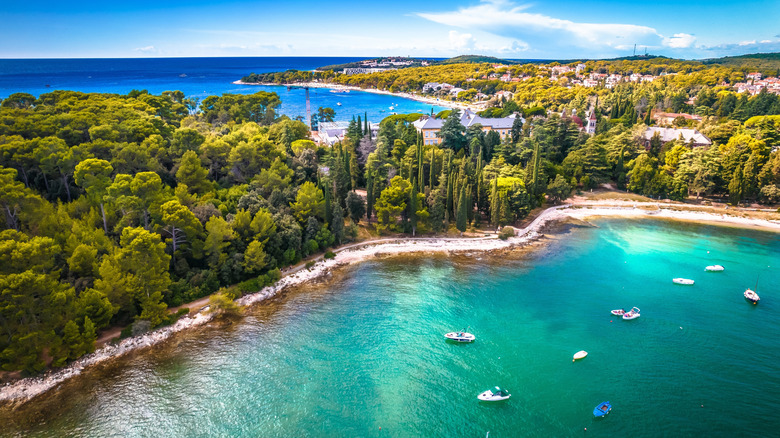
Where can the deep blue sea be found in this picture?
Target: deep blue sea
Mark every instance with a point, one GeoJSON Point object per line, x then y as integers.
{"type": "Point", "coordinates": [196, 77]}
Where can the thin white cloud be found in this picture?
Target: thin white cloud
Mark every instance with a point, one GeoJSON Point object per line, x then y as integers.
{"type": "Point", "coordinates": [747, 43]}
{"type": "Point", "coordinates": [680, 41]}
{"type": "Point", "coordinates": [147, 49]}
{"type": "Point", "coordinates": [509, 20]}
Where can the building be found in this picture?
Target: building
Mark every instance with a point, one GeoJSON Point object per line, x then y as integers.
{"type": "Point", "coordinates": [590, 127]}
{"type": "Point", "coordinates": [668, 118]}
{"type": "Point", "coordinates": [331, 132]}
{"type": "Point", "coordinates": [429, 127]}
{"type": "Point", "coordinates": [685, 135]}
{"type": "Point", "coordinates": [362, 70]}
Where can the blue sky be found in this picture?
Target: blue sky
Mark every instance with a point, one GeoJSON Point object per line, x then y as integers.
{"type": "Point", "coordinates": [510, 29]}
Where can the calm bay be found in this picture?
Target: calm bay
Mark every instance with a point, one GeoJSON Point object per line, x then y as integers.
{"type": "Point", "coordinates": [363, 353]}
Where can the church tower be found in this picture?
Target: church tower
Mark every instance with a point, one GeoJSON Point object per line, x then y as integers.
{"type": "Point", "coordinates": [591, 126]}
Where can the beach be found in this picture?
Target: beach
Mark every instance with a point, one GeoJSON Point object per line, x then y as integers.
{"type": "Point", "coordinates": [25, 389]}
{"type": "Point", "coordinates": [410, 96]}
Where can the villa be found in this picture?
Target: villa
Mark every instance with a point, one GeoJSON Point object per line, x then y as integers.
{"type": "Point", "coordinates": [688, 136]}
{"type": "Point", "coordinates": [430, 126]}
{"type": "Point", "coordinates": [331, 132]}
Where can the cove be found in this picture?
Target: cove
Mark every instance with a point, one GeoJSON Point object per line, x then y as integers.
{"type": "Point", "coordinates": [365, 350]}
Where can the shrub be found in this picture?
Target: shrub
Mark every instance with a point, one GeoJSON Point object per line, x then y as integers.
{"type": "Point", "coordinates": [310, 263]}
{"type": "Point", "coordinates": [329, 255]}
{"type": "Point", "coordinates": [223, 303]}
{"type": "Point", "coordinates": [506, 233]}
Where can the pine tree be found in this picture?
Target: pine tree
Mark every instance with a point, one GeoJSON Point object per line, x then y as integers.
{"type": "Point", "coordinates": [462, 216]}
{"type": "Point", "coordinates": [89, 336]}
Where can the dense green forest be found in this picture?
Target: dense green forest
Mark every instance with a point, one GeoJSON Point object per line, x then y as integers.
{"type": "Point", "coordinates": [119, 206]}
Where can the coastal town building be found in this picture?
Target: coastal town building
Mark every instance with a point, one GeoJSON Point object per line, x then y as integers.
{"type": "Point", "coordinates": [590, 127]}
{"type": "Point", "coordinates": [429, 127]}
{"type": "Point", "coordinates": [687, 136]}
{"type": "Point", "coordinates": [363, 70]}
{"type": "Point", "coordinates": [669, 118]}
{"type": "Point", "coordinates": [331, 132]}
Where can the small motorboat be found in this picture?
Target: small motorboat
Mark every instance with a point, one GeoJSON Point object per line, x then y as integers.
{"type": "Point", "coordinates": [683, 281]}
{"type": "Point", "coordinates": [460, 336]}
{"type": "Point", "coordinates": [618, 312]}
{"type": "Point", "coordinates": [338, 103]}
{"type": "Point", "coordinates": [602, 409]}
{"type": "Point", "coordinates": [579, 355]}
{"type": "Point", "coordinates": [714, 268]}
{"type": "Point", "coordinates": [631, 314]}
{"type": "Point", "coordinates": [497, 394]}
{"type": "Point", "coordinates": [751, 296]}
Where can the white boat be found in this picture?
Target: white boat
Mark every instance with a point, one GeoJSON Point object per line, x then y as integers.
{"type": "Point", "coordinates": [618, 312]}
{"type": "Point", "coordinates": [460, 336]}
{"type": "Point", "coordinates": [684, 281]}
{"type": "Point", "coordinates": [751, 296]}
{"type": "Point", "coordinates": [632, 314]}
{"type": "Point", "coordinates": [714, 268]}
{"type": "Point", "coordinates": [497, 394]}
{"type": "Point", "coordinates": [579, 355]}
{"type": "Point", "coordinates": [338, 103]}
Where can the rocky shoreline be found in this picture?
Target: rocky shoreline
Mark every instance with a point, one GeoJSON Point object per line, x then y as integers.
{"type": "Point", "coordinates": [23, 390]}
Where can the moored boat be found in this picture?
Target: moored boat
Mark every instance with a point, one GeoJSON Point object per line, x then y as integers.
{"type": "Point", "coordinates": [714, 268]}
{"type": "Point", "coordinates": [618, 312]}
{"type": "Point", "coordinates": [683, 281]}
{"type": "Point", "coordinates": [579, 355]}
{"type": "Point", "coordinates": [602, 409]}
{"type": "Point", "coordinates": [497, 394]}
{"type": "Point", "coordinates": [460, 336]}
{"type": "Point", "coordinates": [751, 296]}
{"type": "Point", "coordinates": [632, 314]}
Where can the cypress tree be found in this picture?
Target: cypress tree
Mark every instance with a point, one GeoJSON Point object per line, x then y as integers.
{"type": "Point", "coordinates": [469, 204]}
{"type": "Point", "coordinates": [413, 207]}
{"type": "Point", "coordinates": [432, 174]}
{"type": "Point", "coordinates": [420, 168]}
{"type": "Point", "coordinates": [328, 196]}
{"type": "Point", "coordinates": [495, 207]}
{"type": "Point", "coordinates": [448, 197]}
{"type": "Point", "coordinates": [369, 194]}
{"type": "Point", "coordinates": [360, 126]}
{"type": "Point", "coordinates": [365, 122]}
{"type": "Point", "coordinates": [337, 226]}
{"type": "Point", "coordinates": [535, 176]}
{"type": "Point", "coordinates": [462, 216]}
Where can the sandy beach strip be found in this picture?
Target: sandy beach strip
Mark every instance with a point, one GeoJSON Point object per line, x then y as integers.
{"type": "Point", "coordinates": [25, 389]}
{"type": "Point", "coordinates": [411, 96]}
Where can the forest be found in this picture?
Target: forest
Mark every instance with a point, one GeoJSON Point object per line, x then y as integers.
{"type": "Point", "coordinates": [118, 207]}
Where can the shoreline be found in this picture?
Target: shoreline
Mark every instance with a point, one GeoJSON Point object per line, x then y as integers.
{"type": "Point", "coordinates": [24, 390]}
{"type": "Point", "coordinates": [410, 96]}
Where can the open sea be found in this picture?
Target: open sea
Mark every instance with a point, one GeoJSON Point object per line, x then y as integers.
{"type": "Point", "coordinates": [363, 355]}
{"type": "Point", "coordinates": [196, 77]}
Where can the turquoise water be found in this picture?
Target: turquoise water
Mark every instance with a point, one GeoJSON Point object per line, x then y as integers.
{"type": "Point", "coordinates": [365, 351]}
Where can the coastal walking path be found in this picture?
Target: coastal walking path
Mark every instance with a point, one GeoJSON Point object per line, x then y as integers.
{"type": "Point", "coordinates": [27, 388]}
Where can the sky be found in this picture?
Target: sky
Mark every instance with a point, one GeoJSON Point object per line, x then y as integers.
{"type": "Point", "coordinates": [564, 29]}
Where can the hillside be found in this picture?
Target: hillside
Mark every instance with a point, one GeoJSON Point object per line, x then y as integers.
{"type": "Point", "coordinates": [475, 59]}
